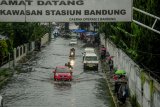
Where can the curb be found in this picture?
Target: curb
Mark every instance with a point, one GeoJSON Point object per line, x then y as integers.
{"type": "Point", "coordinates": [109, 83]}
{"type": "Point", "coordinates": [109, 86]}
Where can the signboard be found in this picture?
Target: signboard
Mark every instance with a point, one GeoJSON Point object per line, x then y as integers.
{"type": "Point", "coordinates": [65, 10]}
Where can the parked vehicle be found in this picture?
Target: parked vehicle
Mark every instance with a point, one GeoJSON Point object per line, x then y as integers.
{"type": "Point", "coordinates": [62, 73]}
{"type": "Point", "coordinates": [121, 90]}
{"type": "Point", "coordinates": [73, 41]}
{"type": "Point", "coordinates": [90, 60]}
{"type": "Point", "coordinates": [89, 50]}
{"type": "Point", "coordinates": [74, 35]}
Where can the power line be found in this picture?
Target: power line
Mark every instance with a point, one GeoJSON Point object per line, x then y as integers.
{"type": "Point", "coordinates": [153, 54]}
{"type": "Point", "coordinates": [158, 54]}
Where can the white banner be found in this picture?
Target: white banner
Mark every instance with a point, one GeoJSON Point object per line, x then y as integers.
{"type": "Point", "coordinates": [65, 10]}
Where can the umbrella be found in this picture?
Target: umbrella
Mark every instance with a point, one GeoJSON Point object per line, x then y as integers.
{"type": "Point", "coordinates": [120, 72]}
{"type": "Point", "coordinates": [79, 30]}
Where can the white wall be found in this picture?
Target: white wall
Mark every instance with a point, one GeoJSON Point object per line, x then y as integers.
{"type": "Point", "coordinates": [28, 47]}
{"type": "Point", "coordinates": [142, 91]}
{"type": "Point", "coordinates": [44, 39]}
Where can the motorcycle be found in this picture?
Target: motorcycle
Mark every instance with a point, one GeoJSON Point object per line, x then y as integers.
{"type": "Point", "coordinates": [72, 62]}
{"type": "Point", "coordinates": [121, 89]}
{"type": "Point", "coordinates": [69, 65]}
{"type": "Point", "coordinates": [72, 53]}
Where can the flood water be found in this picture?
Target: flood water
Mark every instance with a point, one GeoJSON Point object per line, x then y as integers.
{"type": "Point", "coordinates": [37, 88]}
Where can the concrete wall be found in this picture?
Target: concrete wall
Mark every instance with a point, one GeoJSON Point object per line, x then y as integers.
{"type": "Point", "coordinates": [144, 87]}
{"type": "Point", "coordinates": [44, 39]}
{"type": "Point", "coordinates": [22, 51]}
{"type": "Point", "coordinates": [156, 95]}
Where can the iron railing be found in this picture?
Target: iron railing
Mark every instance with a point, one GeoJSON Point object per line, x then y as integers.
{"type": "Point", "coordinates": [156, 18]}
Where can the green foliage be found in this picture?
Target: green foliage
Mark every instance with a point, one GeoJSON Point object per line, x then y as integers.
{"type": "Point", "coordinates": [133, 53]}
{"type": "Point", "coordinates": [134, 101]}
{"type": "Point", "coordinates": [143, 78]}
{"type": "Point", "coordinates": [3, 48]}
{"type": "Point", "coordinates": [141, 44]}
{"type": "Point", "coordinates": [5, 72]}
{"type": "Point", "coordinates": [4, 76]}
{"type": "Point", "coordinates": [10, 45]}
{"type": "Point", "coordinates": [20, 33]}
{"type": "Point", "coordinates": [151, 88]}
{"type": "Point", "coordinates": [39, 31]}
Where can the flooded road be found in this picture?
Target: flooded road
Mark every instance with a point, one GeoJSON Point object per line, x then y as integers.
{"type": "Point", "coordinates": [38, 89]}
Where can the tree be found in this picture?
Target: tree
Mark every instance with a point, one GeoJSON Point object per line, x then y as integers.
{"type": "Point", "coordinates": [141, 44]}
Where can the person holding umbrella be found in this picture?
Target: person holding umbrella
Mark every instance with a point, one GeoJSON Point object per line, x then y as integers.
{"type": "Point", "coordinates": [121, 87]}
{"type": "Point", "coordinates": [120, 72]}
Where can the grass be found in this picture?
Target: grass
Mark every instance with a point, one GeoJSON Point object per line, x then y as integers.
{"type": "Point", "coordinates": [5, 74]}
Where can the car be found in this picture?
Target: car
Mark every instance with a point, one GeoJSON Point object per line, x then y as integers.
{"type": "Point", "coordinates": [56, 32]}
{"type": "Point", "coordinates": [73, 41]}
{"type": "Point", "coordinates": [62, 73]}
{"type": "Point", "coordinates": [73, 35]}
{"type": "Point", "coordinates": [90, 60]}
{"type": "Point", "coordinates": [89, 50]}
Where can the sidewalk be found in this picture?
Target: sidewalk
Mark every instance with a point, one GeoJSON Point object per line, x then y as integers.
{"type": "Point", "coordinates": [110, 83]}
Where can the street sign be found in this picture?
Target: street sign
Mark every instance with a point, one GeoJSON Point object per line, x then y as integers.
{"type": "Point", "coordinates": [65, 10]}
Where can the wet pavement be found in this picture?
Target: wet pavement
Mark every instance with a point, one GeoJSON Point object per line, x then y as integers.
{"type": "Point", "coordinates": [37, 88]}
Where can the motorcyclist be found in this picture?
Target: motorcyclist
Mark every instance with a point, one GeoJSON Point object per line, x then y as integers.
{"type": "Point", "coordinates": [72, 52]}
{"type": "Point", "coordinates": [69, 65]}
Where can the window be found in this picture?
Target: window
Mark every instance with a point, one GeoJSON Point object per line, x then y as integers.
{"type": "Point", "coordinates": [91, 58]}
{"type": "Point", "coordinates": [62, 70]}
